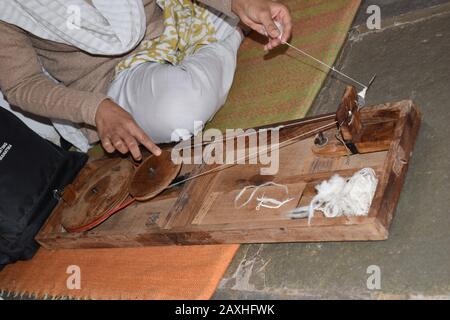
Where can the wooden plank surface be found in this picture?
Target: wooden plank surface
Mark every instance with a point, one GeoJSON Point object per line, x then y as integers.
{"type": "Point", "coordinates": [202, 211]}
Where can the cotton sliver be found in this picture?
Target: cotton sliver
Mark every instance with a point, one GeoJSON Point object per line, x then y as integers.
{"type": "Point", "coordinates": [340, 196]}
{"type": "Point", "coordinates": [280, 28]}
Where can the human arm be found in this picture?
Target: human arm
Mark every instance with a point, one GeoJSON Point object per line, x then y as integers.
{"type": "Point", "coordinates": [25, 85]}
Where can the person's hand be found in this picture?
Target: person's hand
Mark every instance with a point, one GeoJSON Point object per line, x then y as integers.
{"type": "Point", "coordinates": [118, 131]}
{"type": "Point", "coordinates": [260, 15]}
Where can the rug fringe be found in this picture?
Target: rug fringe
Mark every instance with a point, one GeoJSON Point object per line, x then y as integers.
{"type": "Point", "coordinates": [7, 294]}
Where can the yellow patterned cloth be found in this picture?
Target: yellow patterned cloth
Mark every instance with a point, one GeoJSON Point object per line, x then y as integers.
{"type": "Point", "coordinates": [186, 29]}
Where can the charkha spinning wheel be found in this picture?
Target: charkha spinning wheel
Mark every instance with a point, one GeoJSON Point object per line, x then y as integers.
{"type": "Point", "coordinates": [108, 185]}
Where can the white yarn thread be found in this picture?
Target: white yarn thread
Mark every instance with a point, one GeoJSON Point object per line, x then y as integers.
{"type": "Point", "coordinates": [271, 203]}
{"type": "Point", "coordinates": [342, 197]}
{"type": "Point", "coordinates": [263, 201]}
{"type": "Point", "coordinates": [361, 94]}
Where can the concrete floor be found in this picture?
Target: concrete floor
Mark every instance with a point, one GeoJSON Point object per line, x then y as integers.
{"type": "Point", "coordinates": [411, 57]}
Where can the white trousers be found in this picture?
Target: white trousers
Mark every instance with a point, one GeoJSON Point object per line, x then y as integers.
{"type": "Point", "coordinates": [172, 102]}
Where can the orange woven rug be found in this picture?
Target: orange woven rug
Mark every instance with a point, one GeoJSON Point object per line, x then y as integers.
{"type": "Point", "coordinates": [266, 89]}
{"type": "Point", "coordinates": [143, 273]}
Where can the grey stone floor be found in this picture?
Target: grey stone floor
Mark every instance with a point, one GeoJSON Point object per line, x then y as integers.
{"type": "Point", "coordinates": [411, 56]}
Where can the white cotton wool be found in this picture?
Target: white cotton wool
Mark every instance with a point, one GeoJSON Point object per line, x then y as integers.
{"type": "Point", "coordinates": [342, 197]}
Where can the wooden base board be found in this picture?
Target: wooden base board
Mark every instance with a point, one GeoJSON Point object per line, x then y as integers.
{"type": "Point", "coordinates": [203, 212]}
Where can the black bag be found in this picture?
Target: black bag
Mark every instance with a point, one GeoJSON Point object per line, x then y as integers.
{"type": "Point", "coordinates": [33, 172]}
